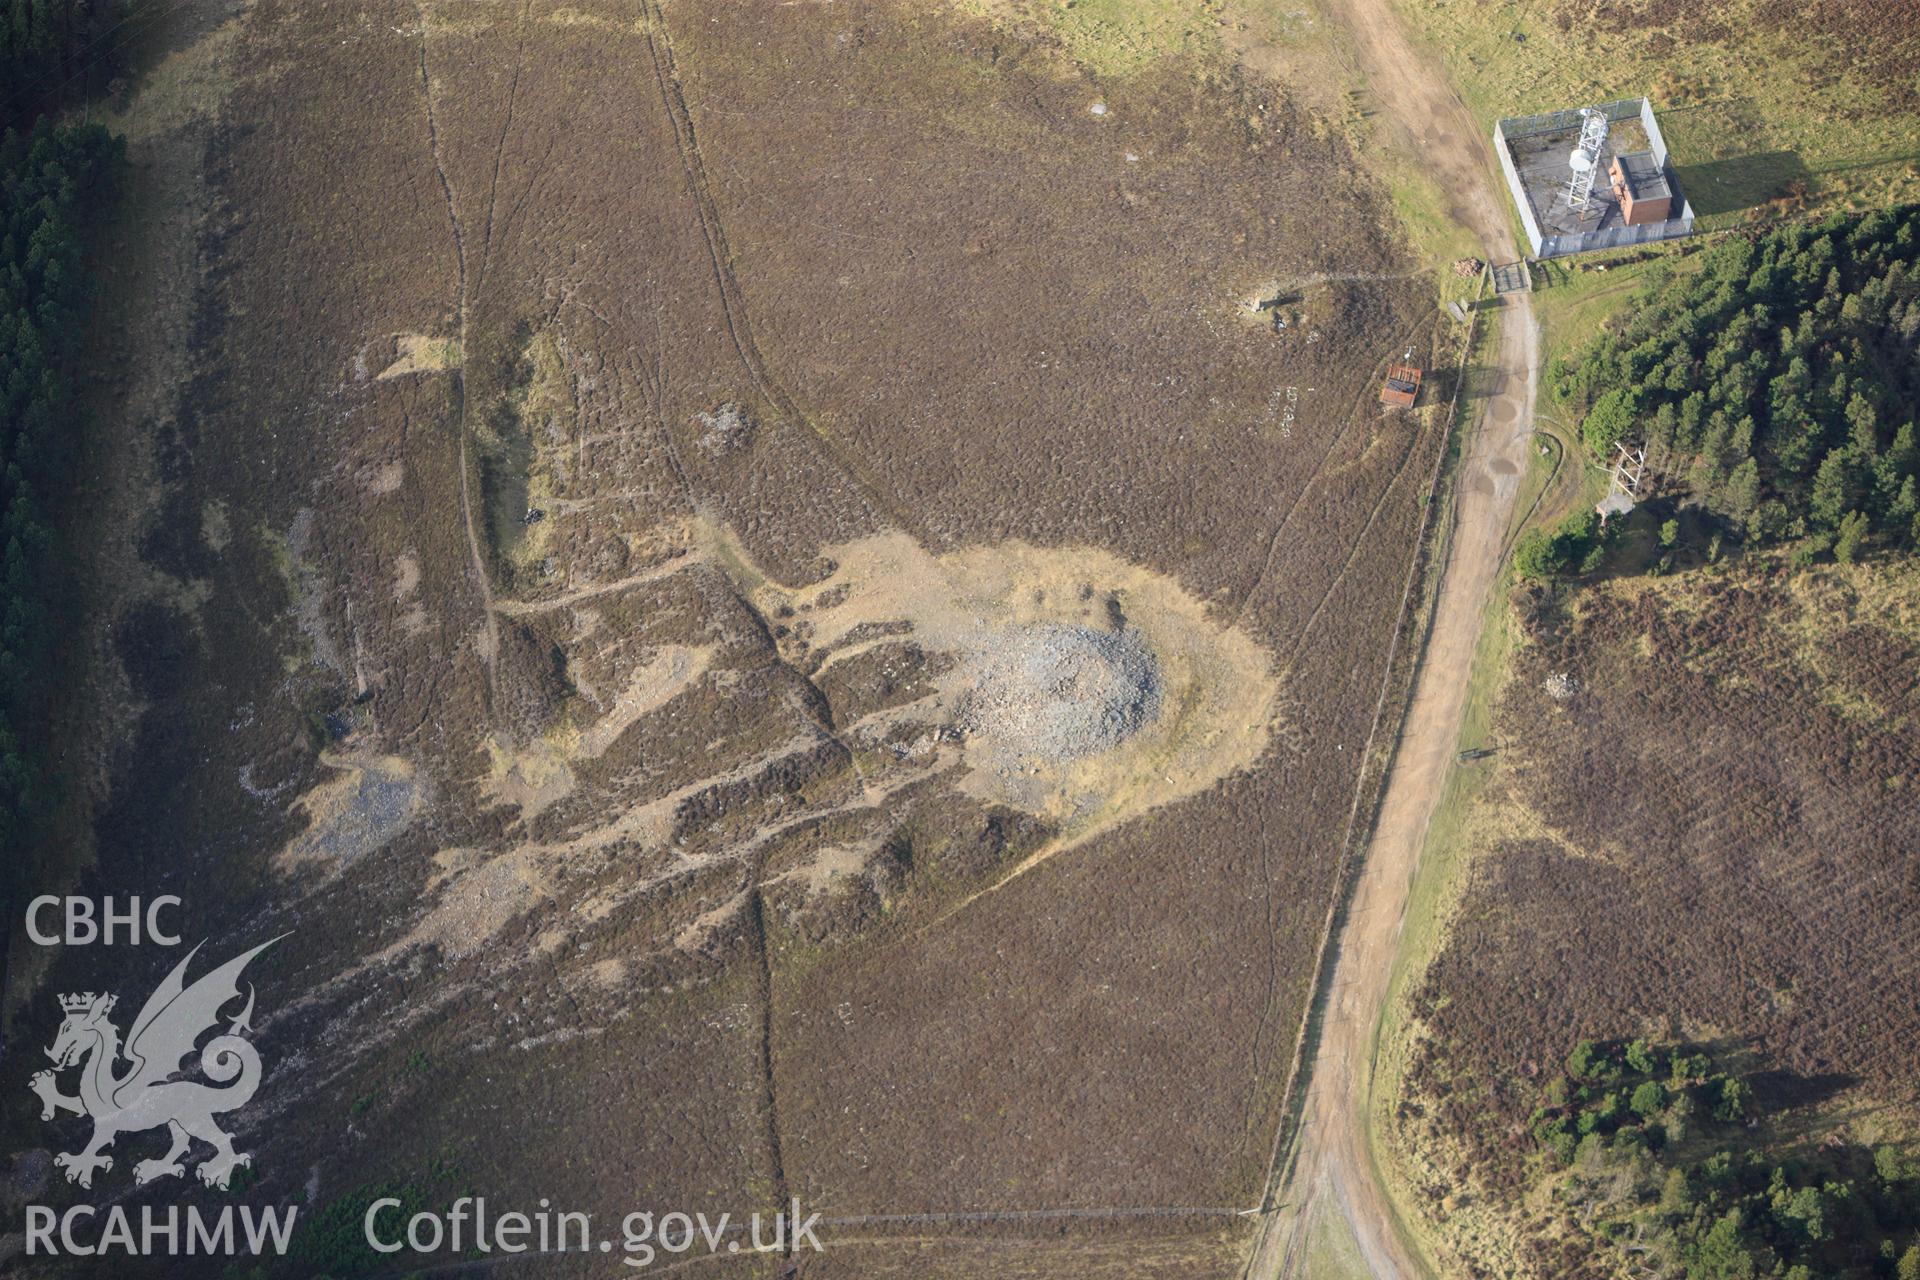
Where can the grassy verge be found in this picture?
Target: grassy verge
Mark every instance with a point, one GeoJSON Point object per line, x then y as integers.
{"type": "Point", "coordinates": [1574, 298]}
{"type": "Point", "coordinates": [1437, 883]}
{"type": "Point", "coordinates": [1549, 464]}
{"type": "Point", "coordinates": [1332, 1252]}
{"type": "Point", "coordinates": [1443, 855]}
{"type": "Point", "coordinates": [1570, 309]}
{"type": "Point", "coordinates": [1420, 206]}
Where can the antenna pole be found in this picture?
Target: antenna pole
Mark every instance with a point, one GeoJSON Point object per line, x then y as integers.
{"type": "Point", "coordinates": [1584, 163]}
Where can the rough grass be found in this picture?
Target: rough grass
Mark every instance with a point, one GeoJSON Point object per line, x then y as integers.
{"type": "Point", "coordinates": [1437, 888]}
{"type": "Point", "coordinates": [1111, 37]}
{"type": "Point", "coordinates": [1420, 206]}
{"type": "Point", "coordinates": [1332, 1252]}
{"type": "Point", "coordinates": [1290, 42]}
{"type": "Point", "coordinates": [1118, 37]}
{"type": "Point", "coordinates": [1297, 46]}
{"type": "Point", "coordinates": [1749, 109]}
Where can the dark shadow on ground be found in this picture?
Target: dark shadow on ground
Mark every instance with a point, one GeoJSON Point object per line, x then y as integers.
{"type": "Point", "coordinates": [1437, 385]}
{"type": "Point", "coordinates": [1870, 162]}
{"type": "Point", "coordinates": [1742, 182]}
{"type": "Point", "coordinates": [1778, 1090]}
{"type": "Point", "coordinates": [1473, 382]}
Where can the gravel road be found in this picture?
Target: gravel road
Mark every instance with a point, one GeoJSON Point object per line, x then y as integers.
{"type": "Point", "coordinates": [1330, 1168]}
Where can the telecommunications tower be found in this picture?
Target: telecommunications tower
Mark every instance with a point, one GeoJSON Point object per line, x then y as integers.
{"type": "Point", "coordinates": [1585, 160]}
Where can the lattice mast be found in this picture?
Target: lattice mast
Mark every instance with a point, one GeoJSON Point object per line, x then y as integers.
{"type": "Point", "coordinates": [1584, 163]}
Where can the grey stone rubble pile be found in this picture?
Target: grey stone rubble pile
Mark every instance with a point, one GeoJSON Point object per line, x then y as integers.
{"type": "Point", "coordinates": [1057, 692]}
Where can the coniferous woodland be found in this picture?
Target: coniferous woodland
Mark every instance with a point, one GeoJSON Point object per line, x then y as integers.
{"type": "Point", "coordinates": [55, 177]}
{"type": "Point", "coordinates": [56, 52]}
{"type": "Point", "coordinates": [1670, 1166]}
{"type": "Point", "coordinates": [1777, 386]}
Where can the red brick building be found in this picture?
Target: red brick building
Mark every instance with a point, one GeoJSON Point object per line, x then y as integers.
{"type": "Point", "coordinates": [1402, 386]}
{"type": "Point", "coordinates": [1640, 185]}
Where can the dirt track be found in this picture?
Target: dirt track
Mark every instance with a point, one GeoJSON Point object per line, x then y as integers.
{"type": "Point", "coordinates": [1330, 1168]}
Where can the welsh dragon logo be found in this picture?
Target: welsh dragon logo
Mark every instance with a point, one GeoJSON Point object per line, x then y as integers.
{"type": "Point", "coordinates": [141, 1096]}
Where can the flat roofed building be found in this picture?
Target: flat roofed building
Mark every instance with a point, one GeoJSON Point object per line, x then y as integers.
{"type": "Point", "coordinates": [1402, 386]}
{"type": "Point", "coordinates": [1640, 185]}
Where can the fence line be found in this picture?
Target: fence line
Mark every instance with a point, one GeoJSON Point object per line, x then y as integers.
{"type": "Point", "coordinates": [1559, 245]}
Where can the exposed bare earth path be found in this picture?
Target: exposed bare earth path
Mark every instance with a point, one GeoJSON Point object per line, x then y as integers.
{"type": "Point", "coordinates": [1329, 1168]}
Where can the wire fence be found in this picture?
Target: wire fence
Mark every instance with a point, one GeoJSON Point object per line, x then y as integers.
{"type": "Point", "coordinates": [1560, 244]}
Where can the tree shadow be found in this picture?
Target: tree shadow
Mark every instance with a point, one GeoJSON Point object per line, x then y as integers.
{"type": "Point", "coordinates": [1743, 182]}
{"type": "Point", "coordinates": [1869, 162]}
{"type": "Point", "coordinates": [1779, 1090]}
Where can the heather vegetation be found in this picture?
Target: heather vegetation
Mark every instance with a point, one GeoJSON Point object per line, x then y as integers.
{"type": "Point", "coordinates": [747, 465]}
{"type": "Point", "coordinates": [1667, 1165]}
{"type": "Point", "coordinates": [1774, 387]}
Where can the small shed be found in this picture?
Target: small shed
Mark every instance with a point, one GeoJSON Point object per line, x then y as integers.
{"type": "Point", "coordinates": [1402, 386]}
{"type": "Point", "coordinates": [1641, 186]}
